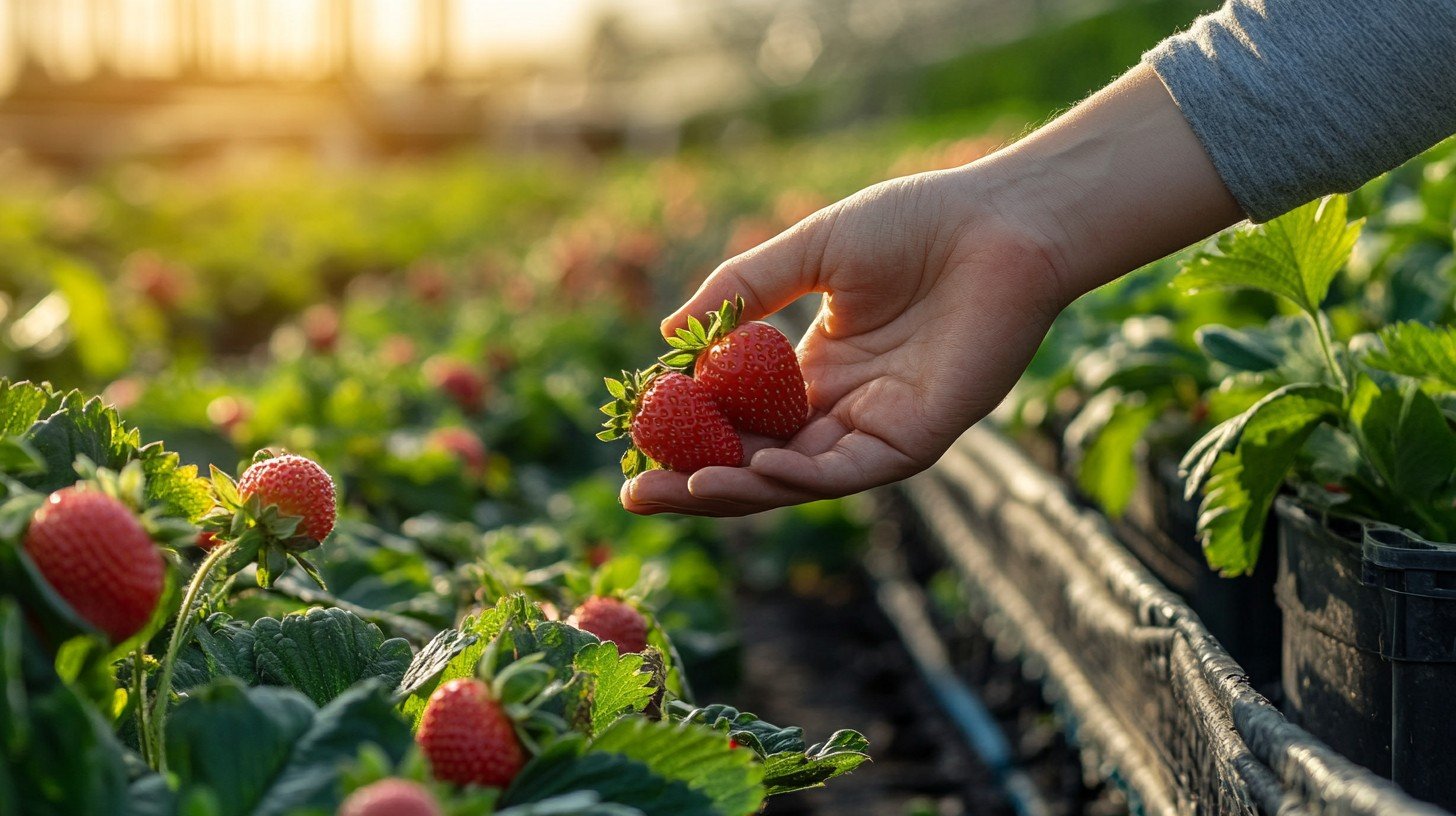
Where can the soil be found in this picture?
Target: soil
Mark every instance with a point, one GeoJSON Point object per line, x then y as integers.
{"type": "Point", "coordinates": [830, 661]}
{"type": "Point", "coordinates": [825, 657]}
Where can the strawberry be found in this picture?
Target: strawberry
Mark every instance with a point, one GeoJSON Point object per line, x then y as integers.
{"type": "Point", "coordinates": [94, 552]}
{"type": "Point", "coordinates": [467, 736]}
{"type": "Point", "coordinates": [321, 327]}
{"type": "Point", "coordinates": [458, 380]}
{"type": "Point", "coordinates": [391, 797]}
{"type": "Point", "coordinates": [463, 444]}
{"type": "Point", "coordinates": [299, 487]}
{"type": "Point", "coordinates": [206, 540]}
{"type": "Point", "coordinates": [614, 620]}
{"type": "Point", "coordinates": [672, 422]}
{"type": "Point", "coordinates": [750, 370]}
{"type": "Point", "coordinates": [598, 554]}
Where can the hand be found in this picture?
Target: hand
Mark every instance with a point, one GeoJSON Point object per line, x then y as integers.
{"type": "Point", "coordinates": [933, 306]}
{"type": "Point", "coordinates": [939, 287]}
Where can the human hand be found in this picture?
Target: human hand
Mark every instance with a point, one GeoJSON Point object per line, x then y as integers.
{"type": "Point", "coordinates": [932, 308]}
{"type": "Point", "coordinates": [938, 289]}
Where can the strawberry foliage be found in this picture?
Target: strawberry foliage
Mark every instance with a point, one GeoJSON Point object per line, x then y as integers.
{"type": "Point", "coordinates": [1368, 420]}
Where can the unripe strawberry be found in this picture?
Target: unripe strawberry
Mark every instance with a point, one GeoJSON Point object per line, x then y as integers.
{"type": "Point", "coordinates": [467, 736]}
{"type": "Point", "coordinates": [299, 487]}
{"type": "Point", "coordinates": [614, 620]}
{"type": "Point", "coordinates": [93, 552]}
{"type": "Point", "coordinates": [391, 797]}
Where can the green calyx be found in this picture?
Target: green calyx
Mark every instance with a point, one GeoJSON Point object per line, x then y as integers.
{"type": "Point", "coordinates": [625, 393]}
{"type": "Point", "coordinates": [688, 343]}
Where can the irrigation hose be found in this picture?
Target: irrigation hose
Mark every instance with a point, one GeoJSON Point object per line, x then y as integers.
{"type": "Point", "coordinates": [905, 605]}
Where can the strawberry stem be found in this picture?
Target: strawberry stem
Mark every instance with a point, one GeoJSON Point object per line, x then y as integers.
{"type": "Point", "coordinates": [181, 633]}
{"type": "Point", "coordinates": [139, 689]}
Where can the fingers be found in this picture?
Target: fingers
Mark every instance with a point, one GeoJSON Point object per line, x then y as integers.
{"type": "Point", "coordinates": [767, 277]}
{"type": "Point", "coordinates": [826, 460]}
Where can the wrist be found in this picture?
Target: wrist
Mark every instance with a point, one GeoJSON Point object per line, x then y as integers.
{"type": "Point", "coordinates": [1116, 183]}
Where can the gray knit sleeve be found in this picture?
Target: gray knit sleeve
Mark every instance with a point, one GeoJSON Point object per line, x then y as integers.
{"type": "Point", "coordinates": [1294, 99]}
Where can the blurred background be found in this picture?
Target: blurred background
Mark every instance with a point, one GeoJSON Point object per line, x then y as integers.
{"type": "Point", "coordinates": [408, 239]}
{"type": "Point", "coordinates": [86, 81]}
{"type": "Point", "coordinates": [189, 187]}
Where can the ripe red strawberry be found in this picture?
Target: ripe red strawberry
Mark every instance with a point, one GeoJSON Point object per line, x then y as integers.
{"type": "Point", "coordinates": [614, 620]}
{"type": "Point", "coordinates": [467, 737]}
{"type": "Point", "coordinates": [671, 420]}
{"type": "Point", "coordinates": [93, 551]}
{"type": "Point", "coordinates": [750, 370]}
{"type": "Point", "coordinates": [206, 540]}
{"type": "Point", "coordinates": [459, 381]}
{"type": "Point", "coordinates": [391, 797]}
{"type": "Point", "coordinates": [598, 554]}
{"type": "Point", "coordinates": [463, 444]}
{"type": "Point", "coordinates": [299, 487]}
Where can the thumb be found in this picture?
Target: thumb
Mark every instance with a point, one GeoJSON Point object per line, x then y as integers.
{"type": "Point", "coordinates": [768, 277]}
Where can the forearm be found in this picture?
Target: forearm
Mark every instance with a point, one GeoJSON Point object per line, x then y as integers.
{"type": "Point", "coordinates": [1295, 99]}
{"type": "Point", "coordinates": [1117, 182]}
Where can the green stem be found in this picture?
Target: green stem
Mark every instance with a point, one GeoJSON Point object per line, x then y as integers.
{"type": "Point", "coordinates": [139, 683]}
{"type": "Point", "coordinates": [181, 632]}
{"type": "Point", "coordinates": [1325, 347]}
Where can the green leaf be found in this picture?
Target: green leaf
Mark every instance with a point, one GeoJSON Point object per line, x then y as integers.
{"type": "Point", "coordinates": [581, 803]}
{"type": "Point", "coordinates": [100, 344]}
{"type": "Point", "coordinates": [433, 659]}
{"type": "Point", "coordinates": [1293, 401]}
{"type": "Point", "coordinates": [788, 764]}
{"type": "Point", "coordinates": [466, 655]}
{"type": "Point", "coordinates": [618, 683]}
{"type": "Point", "coordinates": [268, 751]}
{"type": "Point", "coordinates": [1409, 443]}
{"type": "Point", "coordinates": [221, 647]}
{"type": "Point", "coordinates": [1426, 353]}
{"type": "Point", "coordinates": [80, 427]}
{"type": "Point", "coordinates": [22, 404]}
{"type": "Point", "coordinates": [323, 652]}
{"type": "Point", "coordinates": [173, 487]}
{"type": "Point", "coordinates": [564, 768]}
{"type": "Point", "coordinates": [57, 754]}
{"type": "Point", "coordinates": [1104, 439]}
{"type": "Point", "coordinates": [1295, 256]}
{"type": "Point", "coordinates": [1242, 469]}
{"type": "Point", "coordinates": [18, 458]}
{"type": "Point", "coordinates": [692, 754]}
{"type": "Point", "coordinates": [1239, 350]}
{"type": "Point", "coordinates": [656, 767]}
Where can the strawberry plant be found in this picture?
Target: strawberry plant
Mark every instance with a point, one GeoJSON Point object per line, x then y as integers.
{"type": "Point", "coordinates": [507, 711]}
{"type": "Point", "coordinates": [1362, 430]}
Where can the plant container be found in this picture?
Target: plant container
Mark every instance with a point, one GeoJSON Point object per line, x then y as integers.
{"type": "Point", "coordinates": [1370, 645]}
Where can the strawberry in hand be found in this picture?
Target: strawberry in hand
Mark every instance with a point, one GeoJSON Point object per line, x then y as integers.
{"type": "Point", "coordinates": [749, 369]}
{"type": "Point", "coordinates": [672, 421]}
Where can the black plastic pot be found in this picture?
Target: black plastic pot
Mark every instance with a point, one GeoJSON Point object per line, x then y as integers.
{"type": "Point", "coordinates": [1370, 646]}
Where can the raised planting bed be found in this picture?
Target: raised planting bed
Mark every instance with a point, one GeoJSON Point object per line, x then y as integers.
{"type": "Point", "coordinates": [1153, 699]}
